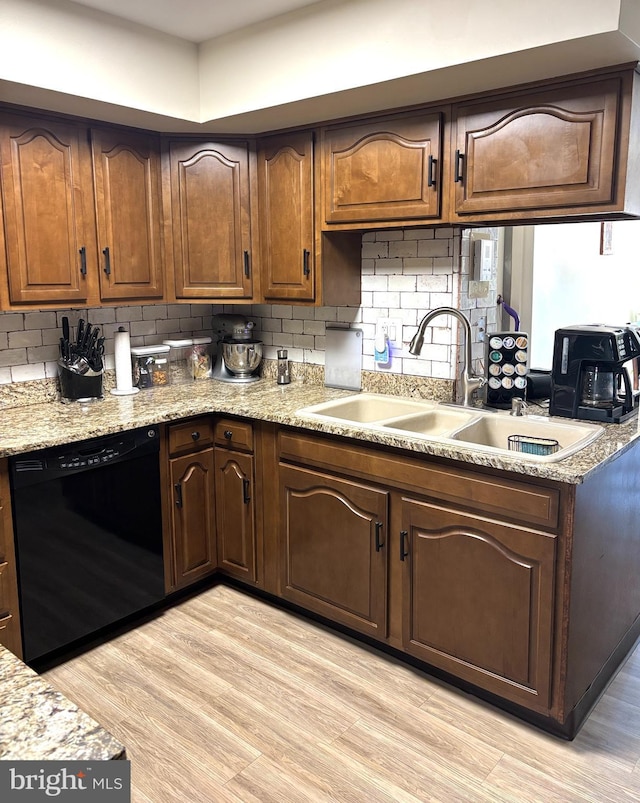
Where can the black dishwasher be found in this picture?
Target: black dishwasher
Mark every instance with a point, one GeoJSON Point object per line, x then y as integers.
{"type": "Point", "coordinates": [88, 532]}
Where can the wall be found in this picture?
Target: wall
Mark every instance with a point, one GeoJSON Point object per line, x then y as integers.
{"type": "Point", "coordinates": [404, 274]}
{"type": "Point", "coordinates": [333, 58]}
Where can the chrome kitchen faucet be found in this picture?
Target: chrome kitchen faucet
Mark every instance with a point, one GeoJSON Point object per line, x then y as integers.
{"type": "Point", "coordinates": [468, 382]}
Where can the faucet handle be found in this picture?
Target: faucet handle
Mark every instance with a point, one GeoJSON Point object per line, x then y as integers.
{"type": "Point", "coordinates": [518, 406]}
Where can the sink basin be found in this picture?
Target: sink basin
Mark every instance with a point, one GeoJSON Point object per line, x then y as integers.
{"type": "Point", "coordinates": [531, 437]}
{"type": "Point", "coordinates": [366, 408]}
{"type": "Point", "coordinates": [440, 421]}
{"type": "Point", "coordinates": [482, 430]}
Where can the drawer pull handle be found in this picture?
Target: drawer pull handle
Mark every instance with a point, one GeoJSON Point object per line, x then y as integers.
{"type": "Point", "coordinates": [305, 262]}
{"type": "Point", "coordinates": [178, 490]}
{"type": "Point", "coordinates": [228, 434]}
{"type": "Point", "coordinates": [459, 160]}
{"type": "Point", "coordinates": [247, 265]}
{"type": "Point", "coordinates": [195, 435]}
{"type": "Point", "coordinates": [246, 496]}
{"type": "Point", "coordinates": [431, 173]}
{"type": "Point", "coordinates": [107, 261]}
{"type": "Point", "coordinates": [379, 542]}
{"type": "Point", "coordinates": [83, 261]}
{"type": "Point", "coordinates": [403, 538]}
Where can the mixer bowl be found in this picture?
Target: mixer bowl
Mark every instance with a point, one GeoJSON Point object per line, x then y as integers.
{"type": "Point", "coordinates": [241, 357]}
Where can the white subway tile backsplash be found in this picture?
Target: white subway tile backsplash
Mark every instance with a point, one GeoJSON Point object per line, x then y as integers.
{"type": "Point", "coordinates": [403, 248]}
{"type": "Point", "coordinates": [388, 266]}
{"type": "Point", "coordinates": [24, 373]}
{"type": "Point", "coordinates": [40, 320]}
{"type": "Point", "coordinates": [11, 322]}
{"type": "Point", "coordinates": [314, 327]}
{"type": "Point", "coordinates": [404, 274]}
{"type": "Point", "coordinates": [293, 326]}
{"type": "Point", "coordinates": [24, 338]}
{"type": "Point", "coordinates": [402, 284]}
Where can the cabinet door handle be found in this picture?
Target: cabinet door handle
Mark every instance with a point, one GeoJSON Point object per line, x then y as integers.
{"type": "Point", "coordinates": [195, 435]}
{"type": "Point", "coordinates": [83, 261]}
{"type": "Point", "coordinates": [431, 172]}
{"type": "Point", "coordinates": [379, 542]}
{"type": "Point", "coordinates": [246, 487]}
{"type": "Point", "coordinates": [458, 165]}
{"type": "Point", "coordinates": [247, 264]}
{"type": "Point", "coordinates": [305, 262]}
{"type": "Point", "coordinates": [228, 434]}
{"type": "Point", "coordinates": [404, 535]}
{"type": "Point", "coordinates": [178, 489]}
{"type": "Point", "coordinates": [107, 261]}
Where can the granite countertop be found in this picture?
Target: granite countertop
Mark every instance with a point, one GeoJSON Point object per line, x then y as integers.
{"type": "Point", "coordinates": [39, 724]}
{"type": "Point", "coordinates": [37, 426]}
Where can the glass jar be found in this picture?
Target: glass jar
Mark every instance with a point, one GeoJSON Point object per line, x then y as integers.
{"type": "Point", "coordinates": [189, 359]}
{"type": "Point", "coordinates": [149, 366]}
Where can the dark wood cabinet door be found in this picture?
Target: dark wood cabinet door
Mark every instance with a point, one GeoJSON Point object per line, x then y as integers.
{"type": "Point", "coordinates": [10, 635]}
{"type": "Point", "coordinates": [193, 516]}
{"type": "Point", "coordinates": [211, 219]}
{"type": "Point", "coordinates": [478, 600]}
{"type": "Point", "coordinates": [334, 548]}
{"type": "Point", "coordinates": [129, 213]}
{"type": "Point", "coordinates": [235, 514]}
{"type": "Point", "coordinates": [383, 170]}
{"type": "Point", "coordinates": [544, 150]}
{"type": "Point", "coordinates": [285, 180]}
{"type": "Point", "coordinates": [45, 182]}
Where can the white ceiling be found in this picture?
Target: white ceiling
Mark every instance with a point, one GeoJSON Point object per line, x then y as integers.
{"type": "Point", "coordinates": [196, 20]}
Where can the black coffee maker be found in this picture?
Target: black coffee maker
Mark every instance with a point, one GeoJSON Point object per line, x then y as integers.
{"type": "Point", "coordinates": [589, 378]}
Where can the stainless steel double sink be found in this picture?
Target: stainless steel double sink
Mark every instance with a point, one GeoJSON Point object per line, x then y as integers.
{"type": "Point", "coordinates": [474, 428]}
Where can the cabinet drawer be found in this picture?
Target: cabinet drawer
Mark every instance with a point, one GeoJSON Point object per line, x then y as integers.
{"type": "Point", "coordinates": [234, 434]}
{"type": "Point", "coordinates": [190, 435]}
{"type": "Point", "coordinates": [508, 498]}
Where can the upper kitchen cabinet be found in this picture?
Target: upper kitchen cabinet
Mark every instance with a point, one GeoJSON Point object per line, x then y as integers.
{"type": "Point", "coordinates": [47, 201]}
{"type": "Point", "coordinates": [547, 152]}
{"type": "Point", "coordinates": [384, 171]}
{"type": "Point", "coordinates": [128, 182]}
{"type": "Point", "coordinates": [210, 213]}
{"type": "Point", "coordinates": [285, 187]}
{"type": "Point", "coordinates": [299, 262]}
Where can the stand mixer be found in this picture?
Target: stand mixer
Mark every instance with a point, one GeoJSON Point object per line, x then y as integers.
{"type": "Point", "coordinates": [239, 355]}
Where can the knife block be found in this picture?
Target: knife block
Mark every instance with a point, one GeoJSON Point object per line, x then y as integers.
{"type": "Point", "coordinates": [75, 387]}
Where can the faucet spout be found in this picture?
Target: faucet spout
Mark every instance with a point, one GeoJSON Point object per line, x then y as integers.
{"type": "Point", "coordinates": [469, 382]}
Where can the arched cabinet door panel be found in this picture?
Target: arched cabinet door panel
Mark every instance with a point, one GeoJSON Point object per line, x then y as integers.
{"type": "Point", "coordinates": [334, 548]}
{"type": "Point", "coordinates": [193, 516]}
{"type": "Point", "coordinates": [385, 169]}
{"type": "Point", "coordinates": [285, 182]}
{"type": "Point", "coordinates": [129, 213]}
{"type": "Point", "coordinates": [210, 213]}
{"type": "Point", "coordinates": [537, 151]}
{"type": "Point", "coordinates": [478, 600]}
{"type": "Point", "coordinates": [45, 178]}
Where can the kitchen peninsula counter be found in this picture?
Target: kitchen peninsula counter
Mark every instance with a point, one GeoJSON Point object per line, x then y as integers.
{"type": "Point", "coordinates": [39, 724]}
{"type": "Point", "coordinates": [38, 426]}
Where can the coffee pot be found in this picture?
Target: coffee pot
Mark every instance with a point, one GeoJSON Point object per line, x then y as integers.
{"type": "Point", "coordinates": [590, 378]}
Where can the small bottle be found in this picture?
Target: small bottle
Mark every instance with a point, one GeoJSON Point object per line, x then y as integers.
{"type": "Point", "coordinates": [284, 376]}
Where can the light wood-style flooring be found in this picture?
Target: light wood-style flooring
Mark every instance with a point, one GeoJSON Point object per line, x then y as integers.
{"type": "Point", "coordinates": [226, 698]}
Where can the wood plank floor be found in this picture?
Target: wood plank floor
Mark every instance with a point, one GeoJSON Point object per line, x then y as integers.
{"type": "Point", "coordinates": [226, 698]}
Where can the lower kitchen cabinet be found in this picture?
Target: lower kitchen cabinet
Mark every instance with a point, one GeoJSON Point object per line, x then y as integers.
{"type": "Point", "coordinates": [9, 606]}
{"type": "Point", "coordinates": [235, 514]}
{"type": "Point", "coordinates": [334, 548]}
{"type": "Point", "coordinates": [454, 567]}
{"type": "Point", "coordinates": [192, 496]}
{"type": "Point", "coordinates": [478, 599]}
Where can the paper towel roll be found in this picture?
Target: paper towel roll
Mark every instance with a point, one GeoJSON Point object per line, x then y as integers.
{"type": "Point", "coordinates": [122, 354]}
